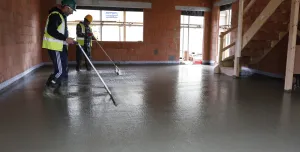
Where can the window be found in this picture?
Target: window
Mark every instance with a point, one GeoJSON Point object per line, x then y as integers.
{"type": "Point", "coordinates": [225, 22]}
{"type": "Point", "coordinates": [224, 25]}
{"type": "Point", "coordinates": [111, 25]}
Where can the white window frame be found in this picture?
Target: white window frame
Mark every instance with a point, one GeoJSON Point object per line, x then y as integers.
{"type": "Point", "coordinates": [123, 24]}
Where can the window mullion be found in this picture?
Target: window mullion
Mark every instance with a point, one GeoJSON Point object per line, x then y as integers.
{"type": "Point", "coordinates": [101, 25]}
{"type": "Point", "coordinates": [124, 25]}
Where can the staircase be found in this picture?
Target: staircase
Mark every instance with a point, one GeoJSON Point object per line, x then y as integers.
{"type": "Point", "coordinates": [265, 24]}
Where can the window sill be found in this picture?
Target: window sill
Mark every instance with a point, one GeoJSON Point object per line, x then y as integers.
{"type": "Point", "coordinates": [119, 41]}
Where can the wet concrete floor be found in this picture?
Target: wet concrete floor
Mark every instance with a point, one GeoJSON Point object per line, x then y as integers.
{"type": "Point", "coordinates": [161, 109]}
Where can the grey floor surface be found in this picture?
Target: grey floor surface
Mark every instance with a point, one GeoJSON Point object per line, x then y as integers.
{"type": "Point", "coordinates": [161, 109]}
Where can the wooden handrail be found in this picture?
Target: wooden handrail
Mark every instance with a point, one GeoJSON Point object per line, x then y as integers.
{"type": "Point", "coordinates": [229, 46]}
{"type": "Point", "coordinates": [220, 49]}
{"type": "Point", "coordinates": [222, 35]}
{"type": "Point", "coordinates": [249, 6]}
{"type": "Point", "coordinates": [260, 20]}
{"type": "Point", "coordinates": [229, 30]}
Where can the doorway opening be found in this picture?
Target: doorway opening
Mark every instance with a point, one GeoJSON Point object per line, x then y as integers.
{"type": "Point", "coordinates": [224, 25]}
{"type": "Point", "coordinates": [191, 37]}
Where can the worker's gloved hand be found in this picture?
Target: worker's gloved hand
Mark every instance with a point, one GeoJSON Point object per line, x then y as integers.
{"type": "Point", "coordinates": [70, 41]}
{"type": "Point", "coordinates": [90, 34]}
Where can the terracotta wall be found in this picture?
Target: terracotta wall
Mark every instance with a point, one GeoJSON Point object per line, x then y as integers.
{"type": "Point", "coordinates": [234, 21]}
{"type": "Point", "coordinates": [207, 37]}
{"type": "Point", "coordinates": [275, 61]}
{"type": "Point", "coordinates": [23, 25]}
{"type": "Point", "coordinates": [297, 60]}
{"type": "Point", "coordinates": [214, 32]}
{"type": "Point", "coordinates": [44, 11]}
{"type": "Point", "coordinates": [161, 34]}
{"type": "Point", "coordinates": [20, 38]}
{"type": "Point", "coordinates": [22, 29]}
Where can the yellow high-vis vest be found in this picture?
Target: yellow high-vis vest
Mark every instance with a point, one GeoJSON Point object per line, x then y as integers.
{"type": "Point", "coordinates": [79, 39]}
{"type": "Point", "coordinates": [50, 42]}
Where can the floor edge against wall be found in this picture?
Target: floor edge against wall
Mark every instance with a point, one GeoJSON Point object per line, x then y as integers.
{"type": "Point", "coordinates": [127, 62]}
{"type": "Point", "coordinates": [19, 76]}
{"type": "Point", "coordinates": [273, 75]}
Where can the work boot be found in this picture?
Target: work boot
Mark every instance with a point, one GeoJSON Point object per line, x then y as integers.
{"type": "Point", "coordinates": [49, 92]}
{"type": "Point", "coordinates": [77, 68]}
{"type": "Point", "coordinates": [51, 77]}
{"type": "Point", "coordinates": [50, 87]}
{"type": "Point", "coordinates": [88, 67]}
{"type": "Point", "coordinates": [63, 89]}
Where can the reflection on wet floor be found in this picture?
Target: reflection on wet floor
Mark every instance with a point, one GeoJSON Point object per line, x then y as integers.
{"type": "Point", "coordinates": [161, 108]}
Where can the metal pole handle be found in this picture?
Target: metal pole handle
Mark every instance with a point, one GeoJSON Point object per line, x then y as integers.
{"type": "Point", "coordinates": [107, 89]}
{"type": "Point", "coordinates": [94, 68]}
{"type": "Point", "coordinates": [106, 53]}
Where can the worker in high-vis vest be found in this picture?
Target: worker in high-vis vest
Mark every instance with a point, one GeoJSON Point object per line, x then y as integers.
{"type": "Point", "coordinates": [56, 40]}
{"type": "Point", "coordinates": [85, 36]}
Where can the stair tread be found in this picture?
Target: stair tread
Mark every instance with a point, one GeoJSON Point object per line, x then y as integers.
{"type": "Point", "coordinates": [263, 35]}
{"type": "Point", "coordinates": [227, 70]}
{"type": "Point", "coordinates": [259, 43]}
{"type": "Point", "coordinates": [268, 34]}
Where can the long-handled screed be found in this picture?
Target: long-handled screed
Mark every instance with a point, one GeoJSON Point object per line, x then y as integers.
{"type": "Point", "coordinates": [108, 91]}
{"type": "Point", "coordinates": [118, 71]}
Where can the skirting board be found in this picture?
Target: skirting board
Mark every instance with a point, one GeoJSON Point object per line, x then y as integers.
{"type": "Point", "coordinates": [263, 73]}
{"type": "Point", "coordinates": [19, 76]}
{"type": "Point", "coordinates": [126, 62]}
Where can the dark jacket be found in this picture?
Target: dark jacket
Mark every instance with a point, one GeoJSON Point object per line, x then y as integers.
{"type": "Point", "coordinates": [87, 39]}
{"type": "Point", "coordinates": [54, 22]}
